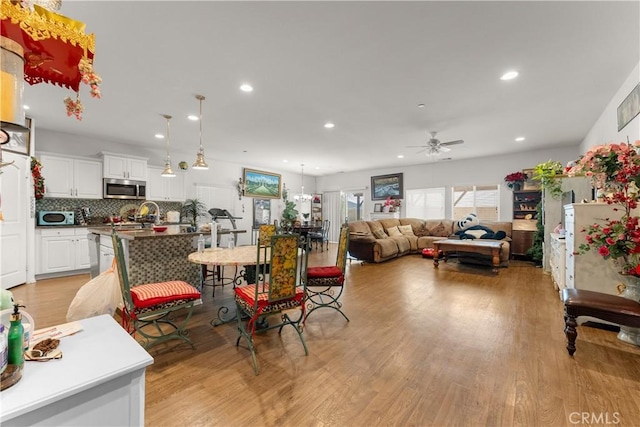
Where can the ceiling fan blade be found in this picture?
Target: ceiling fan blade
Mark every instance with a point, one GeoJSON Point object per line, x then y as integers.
{"type": "Point", "coordinates": [459, 141]}
{"type": "Point", "coordinates": [444, 149]}
{"type": "Point", "coordinates": [415, 146]}
{"type": "Point", "coordinates": [421, 151]}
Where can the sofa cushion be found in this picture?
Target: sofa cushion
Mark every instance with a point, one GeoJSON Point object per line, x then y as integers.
{"type": "Point", "coordinates": [402, 242]}
{"type": "Point", "coordinates": [406, 230]}
{"type": "Point", "coordinates": [379, 233]}
{"type": "Point", "coordinates": [393, 231]}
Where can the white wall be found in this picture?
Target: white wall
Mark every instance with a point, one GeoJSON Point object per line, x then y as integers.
{"type": "Point", "coordinates": [605, 129]}
{"type": "Point", "coordinates": [481, 171]}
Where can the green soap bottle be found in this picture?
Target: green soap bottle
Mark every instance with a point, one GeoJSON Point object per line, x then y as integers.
{"type": "Point", "coordinates": [16, 338]}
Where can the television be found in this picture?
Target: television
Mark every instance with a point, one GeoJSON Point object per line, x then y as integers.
{"type": "Point", "coordinates": [567, 198]}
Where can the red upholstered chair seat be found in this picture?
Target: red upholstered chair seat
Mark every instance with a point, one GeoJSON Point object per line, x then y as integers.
{"type": "Point", "coordinates": [245, 296]}
{"type": "Point", "coordinates": [324, 271]}
{"type": "Point", "coordinates": [153, 294]}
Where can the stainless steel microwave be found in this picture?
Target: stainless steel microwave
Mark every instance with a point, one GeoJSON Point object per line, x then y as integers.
{"type": "Point", "coordinates": [56, 217]}
{"type": "Point", "coordinates": [124, 189]}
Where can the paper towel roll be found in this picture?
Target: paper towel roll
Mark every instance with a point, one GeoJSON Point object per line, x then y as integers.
{"type": "Point", "coordinates": [214, 235]}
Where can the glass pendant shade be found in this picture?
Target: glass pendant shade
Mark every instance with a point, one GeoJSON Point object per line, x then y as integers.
{"type": "Point", "coordinates": [200, 162]}
{"type": "Point", "coordinates": [167, 172]}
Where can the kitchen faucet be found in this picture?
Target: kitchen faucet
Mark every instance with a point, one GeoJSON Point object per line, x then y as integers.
{"type": "Point", "coordinates": [138, 215]}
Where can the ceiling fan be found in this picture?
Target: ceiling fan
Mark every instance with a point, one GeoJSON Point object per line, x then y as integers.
{"type": "Point", "coordinates": [434, 147]}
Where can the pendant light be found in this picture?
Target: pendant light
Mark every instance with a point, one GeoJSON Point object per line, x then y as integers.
{"type": "Point", "coordinates": [200, 163]}
{"type": "Point", "coordinates": [167, 172]}
{"type": "Point", "coordinates": [302, 196]}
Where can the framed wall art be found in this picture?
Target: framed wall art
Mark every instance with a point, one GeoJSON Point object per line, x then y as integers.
{"type": "Point", "coordinates": [629, 108]}
{"type": "Point", "coordinates": [383, 186]}
{"type": "Point", "coordinates": [263, 185]}
{"type": "Point", "coordinates": [19, 142]}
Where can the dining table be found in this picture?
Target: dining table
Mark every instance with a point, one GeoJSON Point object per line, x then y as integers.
{"type": "Point", "coordinates": [244, 260]}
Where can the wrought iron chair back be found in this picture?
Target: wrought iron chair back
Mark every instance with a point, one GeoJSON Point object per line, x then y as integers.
{"type": "Point", "coordinates": [149, 313]}
{"type": "Point", "coordinates": [279, 288]}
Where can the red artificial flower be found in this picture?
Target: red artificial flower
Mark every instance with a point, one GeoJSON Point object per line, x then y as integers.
{"type": "Point", "coordinates": [603, 250]}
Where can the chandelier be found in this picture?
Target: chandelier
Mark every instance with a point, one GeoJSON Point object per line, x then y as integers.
{"type": "Point", "coordinates": [200, 162]}
{"type": "Point", "coordinates": [167, 172]}
{"type": "Point", "coordinates": [302, 196]}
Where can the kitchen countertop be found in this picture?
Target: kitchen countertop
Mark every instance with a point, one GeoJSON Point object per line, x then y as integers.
{"type": "Point", "coordinates": [144, 233]}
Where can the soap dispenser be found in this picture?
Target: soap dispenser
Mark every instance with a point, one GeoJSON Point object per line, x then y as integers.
{"type": "Point", "coordinates": [16, 337]}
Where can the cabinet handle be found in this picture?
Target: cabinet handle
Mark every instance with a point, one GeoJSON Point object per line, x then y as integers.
{"type": "Point", "coordinates": [71, 191]}
{"type": "Point", "coordinates": [76, 191]}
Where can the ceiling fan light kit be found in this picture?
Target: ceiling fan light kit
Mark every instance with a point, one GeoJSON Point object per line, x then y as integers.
{"type": "Point", "coordinates": [434, 146]}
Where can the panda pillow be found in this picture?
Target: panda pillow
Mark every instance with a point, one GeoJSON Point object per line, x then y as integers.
{"type": "Point", "coordinates": [468, 221]}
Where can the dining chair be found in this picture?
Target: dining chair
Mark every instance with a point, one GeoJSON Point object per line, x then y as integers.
{"type": "Point", "coordinates": [321, 236]}
{"type": "Point", "coordinates": [326, 283]}
{"type": "Point", "coordinates": [149, 308]}
{"type": "Point", "coordinates": [278, 289]}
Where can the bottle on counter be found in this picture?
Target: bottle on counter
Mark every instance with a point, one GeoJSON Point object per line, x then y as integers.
{"type": "Point", "coordinates": [16, 338]}
{"type": "Point", "coordinates": [201, 243]}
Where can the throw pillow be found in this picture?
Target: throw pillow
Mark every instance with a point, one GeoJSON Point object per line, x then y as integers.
{"type": "Point", "coordinates": [406, 230]}
{"type": "Point", "coordinates": [379, 233]}
{"type": "Point", "coordinates": [422, 231]}
{"type": "Point", "coordinates": [439, 231]}
{"type": "Point", "coordinates": [393, 231]}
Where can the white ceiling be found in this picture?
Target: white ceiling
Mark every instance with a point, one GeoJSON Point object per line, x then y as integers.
{"type": "Point", "coordinates": [363, 65]}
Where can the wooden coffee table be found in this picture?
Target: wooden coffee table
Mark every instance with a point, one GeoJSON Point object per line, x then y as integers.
{"type": "Point", "coordinates": [482, 247]}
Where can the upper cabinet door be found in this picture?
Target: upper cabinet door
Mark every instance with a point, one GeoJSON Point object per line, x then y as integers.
{"type": "Point", "coordinates": [119, 167]}
{"type": "Point", "coordinates": [88, 179]}
{"type": "Point", "coordinates": [58, 176]}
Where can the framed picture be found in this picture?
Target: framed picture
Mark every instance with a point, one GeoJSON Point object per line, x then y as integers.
{"type": "Point", "coordinates": [19, 142]}
{"type": "Point", "coordinates": [383, 186]}
{"type": "Point", "coordinates": [261, 212]}
{"type": "Point", "coordinates": [529, 183]}
{"type": "Point", "coordinates": [629, 108]}
{"type": "Point", "coordinates": [377, 207]}
{"type": "Point", "coordinates": [263, 185]}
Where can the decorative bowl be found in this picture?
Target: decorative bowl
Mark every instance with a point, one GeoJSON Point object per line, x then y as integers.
{"type": "Point", "coordinates": [159, 228]}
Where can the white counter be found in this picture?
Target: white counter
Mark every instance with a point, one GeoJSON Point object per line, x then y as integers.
{"type": "Point", "coordinates": [98, 381]}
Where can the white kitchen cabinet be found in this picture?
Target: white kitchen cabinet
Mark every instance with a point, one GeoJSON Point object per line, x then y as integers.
{"type": "Point", "coordinates": [120, 167]}
{"type": "Point", "coordinates": [557, 261]}
{"type": "Point", "coordinates": [165, 189]}
{"type": "Point", "coordinates": [590, 270]}
{"type": "Point", "coordinates": [62, 249]}
{"type": "Point", "coordinates": [71, 178]}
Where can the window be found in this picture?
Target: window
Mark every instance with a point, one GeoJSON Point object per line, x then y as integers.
{"type": "Point", "coordinates": [355, 202]}
{"type": "Point", "coordinates": [481, 200]}
{"type": "Point", "coordinates": [425, 203]}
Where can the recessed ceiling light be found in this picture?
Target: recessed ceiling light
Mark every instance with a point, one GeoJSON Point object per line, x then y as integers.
{"type": "Point", "coordinates": [420, 105]}
{"type": "Point", "coordinates": [520, 138]}
{"type": "Point", "coordinates": [509, 75]}
{"type": "Point", "coordinates": [246, 87]}
{"type": "Point", "coordinates": [285, 161]}
{"type": "Point", "coordinates": [159, 136]}
{"type": "Point", "coordinates": [401, 156]}
{"type": "Point", "coordinates": [26, 107]}
{"type": "Point", "coordinates": [192, 117]}
{"type": "Point", "coordinates": [329, 125]}
{"type": "Point", "coordinates": [317, 167]}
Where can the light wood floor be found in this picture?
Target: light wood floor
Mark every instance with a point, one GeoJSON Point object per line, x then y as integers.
{"type": "Point", "coordinates": [454, 346]}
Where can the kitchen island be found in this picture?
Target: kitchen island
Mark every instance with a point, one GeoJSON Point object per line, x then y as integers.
{"type": "Point", "coordinates": [152, 256]}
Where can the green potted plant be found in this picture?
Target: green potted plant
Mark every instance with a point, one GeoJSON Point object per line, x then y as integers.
{"type": "Point", "coordinates": [192, 209]}
{"type": "Point", "coordinates": [536, 250]}
{"type": "Point", "coordinates": [289, 213]}
{"type": "Point", "coordinates": [549, 174]}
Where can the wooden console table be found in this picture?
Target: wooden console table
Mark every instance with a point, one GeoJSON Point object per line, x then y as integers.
{"type": "Point", "coordinates": [482, 247]}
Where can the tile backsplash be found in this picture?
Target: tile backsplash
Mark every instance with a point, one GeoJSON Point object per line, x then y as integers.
{"type": "Point", "coordinates": [100, 208]}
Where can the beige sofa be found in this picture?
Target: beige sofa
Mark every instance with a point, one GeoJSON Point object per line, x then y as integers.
{"type": "Point", "coordinates": [370, 240]}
